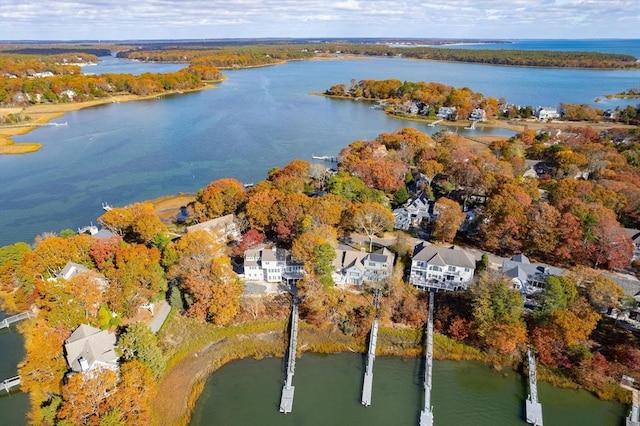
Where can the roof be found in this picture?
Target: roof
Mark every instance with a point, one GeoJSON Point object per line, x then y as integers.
{"type": "Point", "coordinates": [519, 266]}
{"type": "Point", "coordinates": [95, 346]}
{"type": "Point", "coordinates": [444, 256]}
{"type": "Point", "coordinates": [219, 223]}
{"type": "Point", "coordinates": [71, 269]}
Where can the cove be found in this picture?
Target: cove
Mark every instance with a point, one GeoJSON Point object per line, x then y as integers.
{"type": "Point", "coordinates": [15, 405]}
{"type": "Point", "coordinates": [328, 391]}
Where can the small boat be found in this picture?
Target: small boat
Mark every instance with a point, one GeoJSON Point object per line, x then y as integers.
{"type": "Point", "coordinates": [106, 207]}
{"type": "Point", "coordinates": [472, 126]}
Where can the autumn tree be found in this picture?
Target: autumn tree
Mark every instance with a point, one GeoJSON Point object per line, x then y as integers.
{"type": "Point", "coordinates": [137, 222]}
{"type": "Point", "coordinates": [503, 221]}
{"type": "Point", "coordinates": [497, 313]}
{"type": "Point", "coordinates": [86, 396]}
{"type": "Point", "coordinates": [222, 197]}
{"type": "Point", "coordinates": [450, 217]}
{"type": "Point", "coordinates": [138, 342]}
{"type": "Point", "coordinates": [370, 219]}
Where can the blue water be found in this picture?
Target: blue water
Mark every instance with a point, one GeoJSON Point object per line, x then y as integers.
{"type": "Point", "coordinates": [619, 46]}
{"type": "Point", "coordinates": [111, 64]}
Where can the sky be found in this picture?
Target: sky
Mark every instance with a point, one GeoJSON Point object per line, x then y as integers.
{"type": "Point", "coordinates": [214, 19]}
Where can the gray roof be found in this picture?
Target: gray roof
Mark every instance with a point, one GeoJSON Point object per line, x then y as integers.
{"type": "Point", "coordinates": [443, 256]}
{"type": "Point", "coordinates": [519, 266]}
{"type": "Point", "coordinates": [71, 269]}
{"type": "Point", "coordinates": [95, 346]}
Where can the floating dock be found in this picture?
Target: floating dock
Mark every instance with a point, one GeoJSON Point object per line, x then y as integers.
{"type": "Point", "coordinates": [426, 415]}
{"type": "Point", "coordinates": [286, 402]}
{"type": "Point", "coordinates": [634, 415]}
{"type": "Point", "coordinates": [533, 407]}
{"type": "Point", "coordinates": [368, 373]}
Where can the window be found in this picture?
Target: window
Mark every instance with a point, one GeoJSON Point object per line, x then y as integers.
{"type": "Point", "coordinates": [451, 268]}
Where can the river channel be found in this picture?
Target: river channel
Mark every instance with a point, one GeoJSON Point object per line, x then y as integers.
{"type": "Point", "coordinates": [328, 391]}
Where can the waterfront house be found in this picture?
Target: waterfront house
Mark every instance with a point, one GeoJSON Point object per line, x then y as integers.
{"type": "Point", "coordinates": [224, 228]}
{"type": "Point", "coordinates": [441, 268]}
{"type": "Point", "coordinates": [525, 276]}
{"type": "Point", "coordinates": [447, 113]}
{"type": "Point", "coordinates": [478, 114]}
{"type": "Point", "coordinates": [273, 265]}
{"type": "Point", "coordinates": [546, 113]}
{"type": "Point", "coordinates": [354, 267]}
{"type": "Point", "coordinates": [89, 348]}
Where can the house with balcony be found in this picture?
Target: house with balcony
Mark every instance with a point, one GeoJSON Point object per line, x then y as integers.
{"type": "Point", "coordinates": [354, 267]}
{"type": "Point", "coordinates": [441, 268]}
{"type": "Point", "coordinates": [273, 265]}
{"type": "Point", "coordinates": [527, 277]}
{"type": "Point", "coordinates": [414, 213]}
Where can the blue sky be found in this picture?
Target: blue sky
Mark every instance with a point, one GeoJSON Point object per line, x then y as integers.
{"type": "Point", "coordinates": [173, 19]}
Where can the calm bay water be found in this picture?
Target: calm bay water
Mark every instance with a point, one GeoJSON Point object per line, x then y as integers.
{"type": "Point", "coordinates": [328, 391]}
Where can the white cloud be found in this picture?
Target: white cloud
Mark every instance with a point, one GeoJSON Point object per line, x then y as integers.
{"type": "Point", "coordinates": [123, 19]}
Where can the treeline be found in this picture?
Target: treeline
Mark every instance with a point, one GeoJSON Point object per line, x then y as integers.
{"type": "Point", "coordinates": [43, 50]}
{"type": "Point", "coordinates": [223, 57]}
{"type": "Point", "coordinates": [521, 58]}
{"type": "Point", "coordinates": [19, 65]}
{"type": "Point", "coordinates": [79, 87]}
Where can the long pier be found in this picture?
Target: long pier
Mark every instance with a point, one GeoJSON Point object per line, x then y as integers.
{"type": "Point", "coordinates": [634, 415]}
{"type": "Point", "coordinates": [16, 318]}
{"type": "Point", "coordinates": [426, 415]}
{"type": "Point", "coordinates": [533, 407]}
{"type": "Point", "coordinates": [286, 401]}
{"type": "Point", "coordinates": [10, 383]}
{"type": "Point", "coordinates": [367, 385]}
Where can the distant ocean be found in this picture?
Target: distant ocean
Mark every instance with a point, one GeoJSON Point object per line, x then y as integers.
{"type": "Point", "coordinates": [621, 46]}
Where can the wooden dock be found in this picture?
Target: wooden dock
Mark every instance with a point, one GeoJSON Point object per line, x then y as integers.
{"type": "Point", "coordinates": [532, 406]}
{"type": "Point", "coordinates": [426, 415]}
{"type": "Point", "coordinates": [16, 318]}
{"type": "Point", "coordinates": [286, 401]}
{"type": "Point", "coordinates": [367, 385]}
{"type": "Point", "coordinates": [10, 383]}
{"type": "Point", "coordinates": [634, 415]}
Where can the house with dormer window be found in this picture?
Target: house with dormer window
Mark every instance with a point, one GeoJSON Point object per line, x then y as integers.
{"type": "Point", "coordinates": [355, 267]}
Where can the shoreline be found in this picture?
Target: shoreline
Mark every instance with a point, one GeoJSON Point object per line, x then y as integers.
{"type": "Point", "coordinates": [44, 113]}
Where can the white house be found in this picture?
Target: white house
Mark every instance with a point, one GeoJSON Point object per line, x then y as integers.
{"type": "Point", "coordinates": [273, 265]}
{"type": "Point", "coordinates": [447, 113]}
{"type": "Point", "coordinates": [547, 113]}
{"type": "Point", "coordinates": [71, 269]}
{"type": "Point", "coordinates": [354, 267]}
{"type": "Point", "coordinates": [478, 114]}
{"type": "Point", "coordinates": [441, 268]}
{"type": "Point", "coordinates": [417, 210]}
{"type": "Point", "coordinates": [528, 277]}
{"type": "Point", "coordinates": [89, 348]}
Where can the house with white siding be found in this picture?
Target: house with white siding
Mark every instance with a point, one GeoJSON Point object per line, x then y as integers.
{"type": "Point", "coordinates": [525, 276]}
{"type": "Point", "coordinates": [355, 267]}
{"type": "Point", "coordinates": [441, 268]}
{"type": "Point", "coordinates": [273, 265]}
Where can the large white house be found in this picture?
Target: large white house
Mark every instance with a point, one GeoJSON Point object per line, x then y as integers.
{"type": "Point", "coordinates": [355, 267]}
{"type": "Point", "coordinates": [89, 348]}
{"type": "Point", "coordinates": [273, 265]}
{"type": "Point", "coordinates": [441, 268]}
{"type": "Point", "coordinates": [547, 113]}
